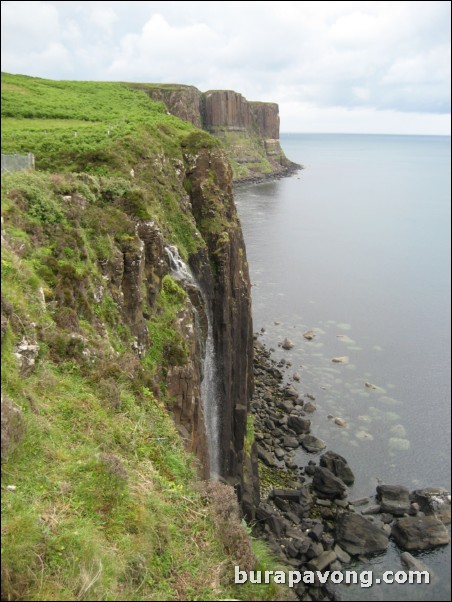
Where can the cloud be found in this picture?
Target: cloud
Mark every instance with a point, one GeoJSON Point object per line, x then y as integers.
{"type": "Point", "coordinates": [371, 57]}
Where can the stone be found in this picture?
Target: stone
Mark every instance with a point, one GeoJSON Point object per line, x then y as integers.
{"type": "Point", "coordinates": [340, 421]}
{"type": "Point", "coordinates": [309, 407]}
{"type": "Point", "coordinates": [296, 377]}
{"type": "Point", "coordinates": [290, 442]}
{"type": "Point", "coordinates": [310, 396]}
{"type": "Point", "coordinates": [394, 499]}
{"type": "Point", "coordinates": [322, 561]}
{"type": "Point", "coordinates": [413, 564]}
{"type": "Point", "coordinates": [301, 426]}
{"type": "Point", "coordinates": [279, 453]}
{"type": "Point", "coordinates": [312, 444]}
{"type": "Point", "coordinates": [287, 344]}
{"type": "Point", "coordinates": [316, 532]}
{"type": "Point", "coordinates": [290, 392]}
{"type": "Point", "coordinates": [419, 532]}
{"type": "Point", "coordinates": [291, 495]}
{"type": "Point", "coordinates": [342, 554]}
{"type": "Point", "coordinates": [267, 457]}
{"type": "Point", "coordinates": [285, 406]}
{"type": "Point", "coordinates": [340, 360]}
{"type": "Point", "coordinates": [434, 500]}
{"type": "Point", "coordinates": [12, 428]}
{"type": "Point", "coordinates": [338, 465]}
{"type": "Point", "coordinates": [362, 501]}
{"type": "Point", "coordinates": [325, 483]}
{"type": "Point", "coordinates": [373, 509]}
{"type": "Point", "coordinates": [309, 335]}
{"type": "Point", "coordinates": [357, 536]}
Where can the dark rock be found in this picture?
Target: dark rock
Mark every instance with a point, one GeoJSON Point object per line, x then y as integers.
{"type": "Point", "coordinates": [300, 425]}
{"type": "Point", "coordinates": [267, 457]}
{"type": "Point", "coordinates": [338, 466]}
{"type": "Point", "coordinates": [312, 444]}
{"type": "Point", "coordinates": [325, 483]}
{"type": "Point", "coordinates": [290, 392]}
{"type": "Point", "coordinates": [322, 561]}
{"type": "Point", "coordinates": [374, 509]}
{"type": "Point", "coordinates": [290, 442]}
{"type": "Point", "coordinates": [394, 499]}
{"type": "Point", "coordinates": [285, 406]}
{"type": "Point", "coordinates": [316, 532]}
{"type": "Point", "coordinates": [291, 495]}
{"type": "Point", "coordinates": [356, 535]}
{"type": "Point", "coordinates": [419, 533]}
{"type": "Point", "coordinates": [434, 500]}
{"type": "Point", "coordinates": [362, 501]}
{"type": "Point", "coordinates": [309, 407]}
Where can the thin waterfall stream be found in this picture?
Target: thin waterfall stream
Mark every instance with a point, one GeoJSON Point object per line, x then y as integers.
{"type": "Point", "coordinates": [209, 384]}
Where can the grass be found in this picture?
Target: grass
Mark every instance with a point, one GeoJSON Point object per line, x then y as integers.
{"type": "Point", "coordinates": [107, 503]}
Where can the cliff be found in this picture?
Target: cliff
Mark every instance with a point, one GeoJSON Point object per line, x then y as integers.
{"type": "Point", "coordinates": [122, 257]}
{"type": "Point", "coordinates": [248, 130]}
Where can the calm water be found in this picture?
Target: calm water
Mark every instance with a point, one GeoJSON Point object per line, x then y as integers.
{"type": "Point", "coordinates": [357, 247]}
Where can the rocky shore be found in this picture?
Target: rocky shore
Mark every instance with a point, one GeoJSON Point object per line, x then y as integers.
{"type": "Point", "coordinates": [306, 513]}
{"type": "Point", "coordinates": [288, 169]}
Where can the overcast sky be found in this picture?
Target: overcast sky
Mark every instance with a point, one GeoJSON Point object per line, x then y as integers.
{"type": "Point", "coordinates": [331, 66]}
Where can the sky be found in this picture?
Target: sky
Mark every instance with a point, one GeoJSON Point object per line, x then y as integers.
{"type": "Point", "coordinates": [358, 67]}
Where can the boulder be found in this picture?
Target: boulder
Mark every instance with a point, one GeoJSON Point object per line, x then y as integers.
{"type": "Point", "coordinates": [414, 564]}
{"type": "Point", "coordinates": [309, 335]}
{"type": "Point", "coordinates": [328, 485]}
{"type": "Point", "coordinates": [419, 532]}
{"type": "Point", "coordinates": [290, 442]}
{"type": "Point", "coordinates": [287, 344]}
{"type": "Point", "coordinates": [290, 392]}
{"type": "Point", "coordinates": [433, 500]}
{"type": "Point", "coordinates": [267, 457]}
{"type": "Point", "coordinates": [394, 499]}
{"type": "Point", "coordinates": [312, 444]}
{"type": "Point", "coordinates": [300, 425]}
{"type": "Point", "coordinates": [338, 466]}
{"type": "Point", "coordinates": [358, 536]}
{"type": "Point", "coordinates": [291, 495]}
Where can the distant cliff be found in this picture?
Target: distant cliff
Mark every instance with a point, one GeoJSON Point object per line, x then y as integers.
{"type": "Point", "coordinates": [248, 130]}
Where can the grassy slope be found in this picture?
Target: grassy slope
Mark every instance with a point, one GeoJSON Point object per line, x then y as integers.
{"type": "Point", "coordinates": [106, 504]}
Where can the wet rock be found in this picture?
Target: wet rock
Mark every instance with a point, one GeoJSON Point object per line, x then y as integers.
{"type": "Point", "coordinates": [434, 500]}
{"type": "Point", "coordinates": [340, 421]}
{"type": "Point", "coordinates": [394, 499]}
{"type": "Point", "coordinates": [279, 453]}
{"type": "Point", "coordinates": [310, 396]}
{"type": "Point", "coordinates": [413, 564]}
{"type": "Point", "coordinates": [296, 377]}
{"type": "Point", "coordinates": [290, 392]}
{"type": "Point", "coordinates": [287, 344]}
{"type": "Point", "coordinates": [338, 465]}
{"type": "Point", "coordinates": [285, 406]}
{"type": "Point", "coordinates": [325, 483]}
{"type": "Point", "coordinates": [290, 442]}
{"type": "Point", "coordinates": [419, 533]}
{"type": "Point", "coordinates": [322, 561]}
{"type": "Point", "coordinates": [362, 501]}
{"type": "Point", "coordinates": [357, 536]}
{"type": "Point", "coordinates": [309, 407]}
{"type": "Point", "coordinates": [340, 360]}
{"type": "Point", "coordinates": [342, 554]}
{"type": "Point", "coordinates": [301, 426]}
{"type": "Point", "coordinates": [309, 335]}
{"type": "Point", "coordinates": [312, 444]}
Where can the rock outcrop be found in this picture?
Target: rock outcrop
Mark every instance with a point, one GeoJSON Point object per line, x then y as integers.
{"type": "Point", "coordinates": [248, 129]}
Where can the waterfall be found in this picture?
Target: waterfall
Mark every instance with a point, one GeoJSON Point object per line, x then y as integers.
{"type": "Point", "coordinates": [209, 384]}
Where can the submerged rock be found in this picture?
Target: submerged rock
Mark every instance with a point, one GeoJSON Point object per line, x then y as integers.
{"type": "Point", "coordinates": [287, 344]}
{"type": "Point", "coordinates": [340, 360]}
{"type": "Point", "coordinates": [309, 335]}
{"type": "Point", "coordinates": [301, 426]}
{"type": "Point", "coordinates": [358, 536]}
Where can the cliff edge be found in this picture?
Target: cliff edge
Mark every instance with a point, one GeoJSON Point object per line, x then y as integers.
{"type": "Point", "coordinates": [249, 130]}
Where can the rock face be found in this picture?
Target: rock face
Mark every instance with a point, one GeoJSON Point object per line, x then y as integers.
{"type": "Point", "coordinates": [224, 275]}
{"type": "Point", "coordinates": [249, 130]}
{"type": "Point", "coordinates": [357, 536]}
{"type": "Point", "coordinates": [419, 533]}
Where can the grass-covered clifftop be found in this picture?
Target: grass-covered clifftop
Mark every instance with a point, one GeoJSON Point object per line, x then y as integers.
{"type": "Point", "coordinates": [101, 501]}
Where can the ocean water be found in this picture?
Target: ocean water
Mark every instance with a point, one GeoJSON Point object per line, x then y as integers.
{"type": "Point", "coordinates": [356, 247]}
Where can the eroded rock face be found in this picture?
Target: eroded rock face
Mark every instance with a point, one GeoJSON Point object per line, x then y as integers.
{"type": "Point", "coordinates": [224, 276]}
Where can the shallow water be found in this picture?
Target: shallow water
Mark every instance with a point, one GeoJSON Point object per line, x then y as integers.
{"type": "Point", "coordinates": [357, 248]}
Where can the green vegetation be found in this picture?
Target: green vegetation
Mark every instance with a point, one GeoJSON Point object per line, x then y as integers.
{"type": "Point", "coordinates": [103, 500]}
{"type": "Point", "coordinates": [247, 155]}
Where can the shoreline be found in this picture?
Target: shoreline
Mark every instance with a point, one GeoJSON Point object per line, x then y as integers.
{"type": "Point", "coordinates": [305, 513]}
{"type": "Point", "coordinates": [285, 172]}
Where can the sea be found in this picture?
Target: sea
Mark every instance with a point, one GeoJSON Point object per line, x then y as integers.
{"type": "Point", "coordinates": [356, 247]}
